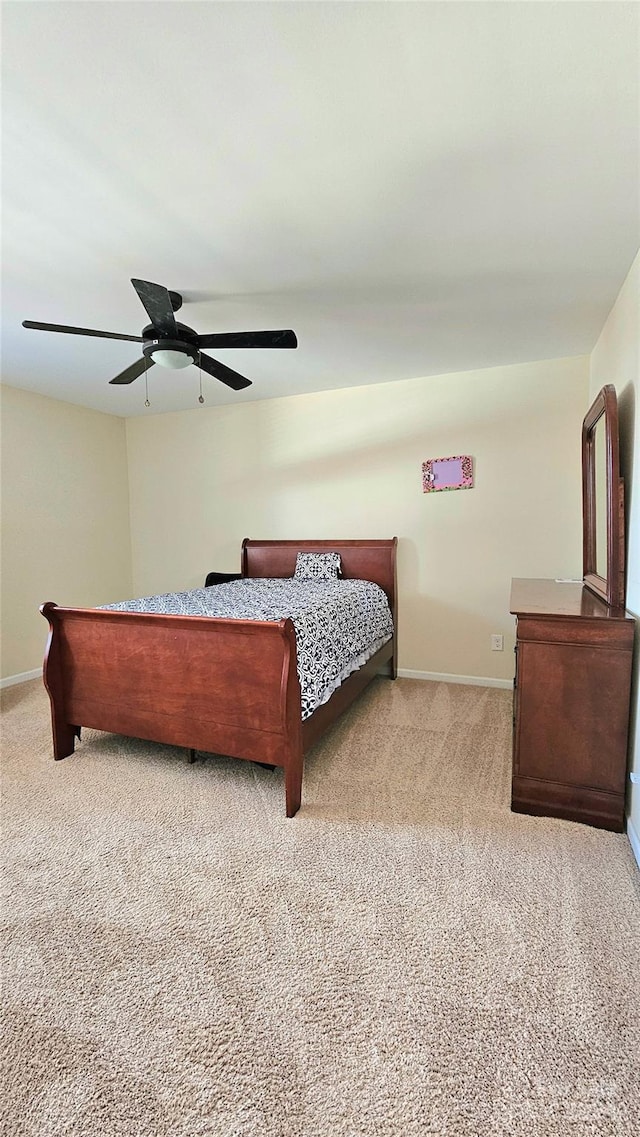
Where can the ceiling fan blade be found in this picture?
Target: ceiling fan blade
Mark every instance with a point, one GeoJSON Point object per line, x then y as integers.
{"type": "Point", "coordinates": [284, 338]}
{"type": "Point", "coordinates": [132, 372]}
{"type": "Point", "coordinates": [223, 373]}
{"type": "Point", "coordinates": [158, 306]}
{"type": "Point", "coordinates": [79, 331]}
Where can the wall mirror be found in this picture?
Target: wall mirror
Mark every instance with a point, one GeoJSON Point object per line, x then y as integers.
{"type": "Point", "coordinates": [603, 560]}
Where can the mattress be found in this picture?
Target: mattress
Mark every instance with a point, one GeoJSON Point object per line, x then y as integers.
{"type": "Point", "coordinates": [339, 624]}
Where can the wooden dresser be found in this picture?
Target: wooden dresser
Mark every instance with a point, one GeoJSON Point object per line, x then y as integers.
{"type": "Point", "coordinates": [570, 703]}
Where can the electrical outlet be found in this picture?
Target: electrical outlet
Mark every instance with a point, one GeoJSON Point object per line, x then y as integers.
{"type": "Point", "coordinates": [497, 643]}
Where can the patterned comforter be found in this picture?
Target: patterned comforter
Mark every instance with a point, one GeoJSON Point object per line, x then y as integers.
{"type": "Point", "coordinates": [339, 624]}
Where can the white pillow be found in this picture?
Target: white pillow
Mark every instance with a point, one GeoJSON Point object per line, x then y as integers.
{"type": "Point", "coordinates": [317, 566]}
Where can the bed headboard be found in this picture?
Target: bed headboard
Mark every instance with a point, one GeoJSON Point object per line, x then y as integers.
{"type": "Point", "coordinates": [364, 560]}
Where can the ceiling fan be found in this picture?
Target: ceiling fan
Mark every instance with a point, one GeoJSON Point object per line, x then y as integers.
{"type": "Point", "coordinates": [171, 344]}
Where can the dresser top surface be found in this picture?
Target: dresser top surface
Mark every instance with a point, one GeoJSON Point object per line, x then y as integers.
{"type": "Point", "coordinates": [539, 597]}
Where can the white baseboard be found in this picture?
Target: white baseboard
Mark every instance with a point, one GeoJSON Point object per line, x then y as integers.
{"type": "Point", "coordinates": [23, 677]}
{"type": "Point", "coordinates": [471, 680]}
{"type": "Point", "coordinates": [634, 840]}
{"type": "Point", "coordinates": [403, 673]}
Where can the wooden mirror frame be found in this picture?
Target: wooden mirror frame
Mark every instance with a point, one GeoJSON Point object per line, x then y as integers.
{"type": "Point", "coordinates": [610, 588]}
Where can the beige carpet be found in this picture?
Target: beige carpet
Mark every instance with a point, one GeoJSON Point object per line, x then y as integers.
{"type": "Point", "coordinates": [405, 957]}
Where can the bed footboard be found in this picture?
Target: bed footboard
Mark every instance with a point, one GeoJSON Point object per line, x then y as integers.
{"type": "Point", "coordinates": [221, 686]}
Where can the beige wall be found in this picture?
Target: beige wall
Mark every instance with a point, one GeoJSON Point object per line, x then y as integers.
{"type": "Point", "coordinates": [347, 463]}
{"type": "Point", "coordinates": [65, 516]}
{"type": "Point", "coordinates": [616, 359]}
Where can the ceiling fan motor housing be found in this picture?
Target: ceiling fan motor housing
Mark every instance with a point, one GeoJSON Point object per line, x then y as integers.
{"type": "Point", "coordinates": [186, 346]}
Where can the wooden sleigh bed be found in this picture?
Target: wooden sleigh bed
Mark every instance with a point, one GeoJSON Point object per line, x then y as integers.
{"type": "Point", "coordinates": [216, 685]}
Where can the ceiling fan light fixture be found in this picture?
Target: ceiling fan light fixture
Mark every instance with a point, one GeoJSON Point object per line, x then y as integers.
{"type": "Point", "coordinates": [170, 353]}
{"type": "Point", "coordinates": [171, 357]}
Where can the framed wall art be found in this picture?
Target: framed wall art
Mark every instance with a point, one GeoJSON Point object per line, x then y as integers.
{"type": "Point", "coordinates": [454, 473]}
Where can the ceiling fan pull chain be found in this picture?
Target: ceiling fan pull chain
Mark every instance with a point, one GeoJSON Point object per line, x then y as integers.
{"type": "Point", "coordinates": [200, 396]}
{"type": "Point", "coordinates": [146, 389]}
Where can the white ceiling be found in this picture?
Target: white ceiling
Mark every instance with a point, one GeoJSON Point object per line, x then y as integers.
{"type": "Point", "coordinates": [414, 188]}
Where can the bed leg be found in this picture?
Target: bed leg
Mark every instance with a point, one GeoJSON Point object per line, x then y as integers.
{"type": "Point", "coordinates": [293, 783]}
{"type": "Point", "coordinates": [192, 755]}
{"type": "Point", "coordinates": [64, 738]}
{"type": "Point", "coordinates": [64, 733]}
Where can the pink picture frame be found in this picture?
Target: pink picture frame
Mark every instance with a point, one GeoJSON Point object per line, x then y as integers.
{"type": "Point", "coordinates": [455, 473]}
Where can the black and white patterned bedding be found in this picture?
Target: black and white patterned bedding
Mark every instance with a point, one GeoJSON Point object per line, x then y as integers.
{"type": "Point", "coordinates": [339, 624]}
